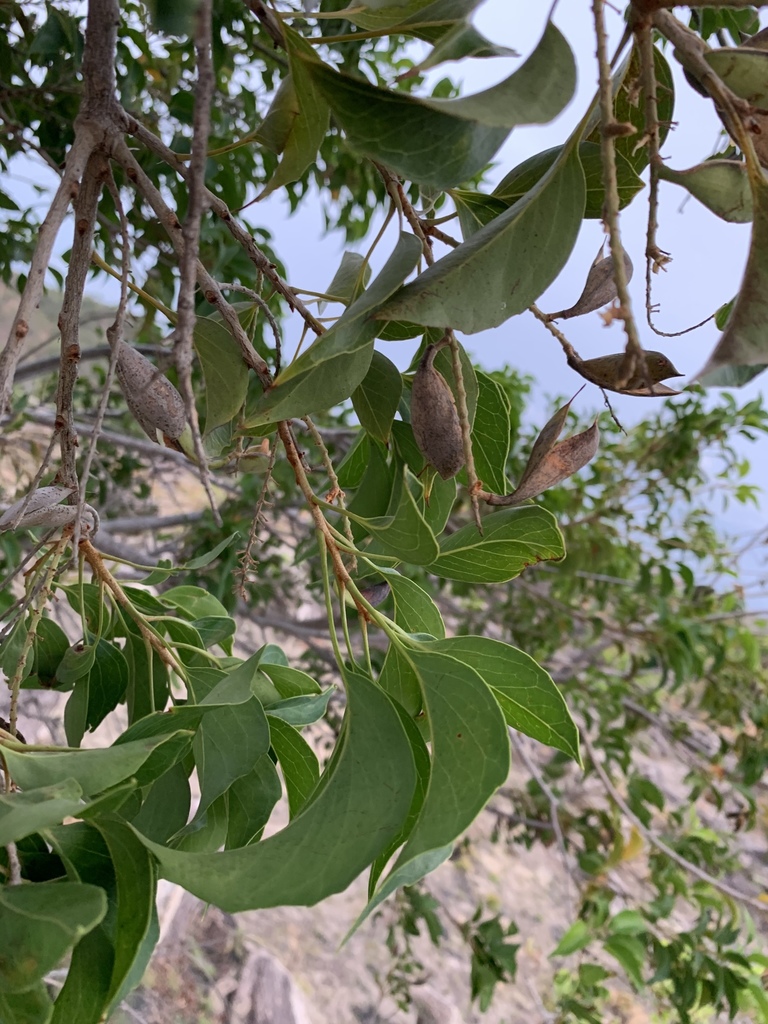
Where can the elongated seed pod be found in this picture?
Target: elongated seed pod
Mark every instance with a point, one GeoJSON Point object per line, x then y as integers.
{"type": "Point", "coordinates": [434, 419]}
{"type": "Point", "coordinates": [44, 509]}
{"type": "Point", "coordinates": [599, 289]}
{"type": "Point", "coordinates": [153, 400]}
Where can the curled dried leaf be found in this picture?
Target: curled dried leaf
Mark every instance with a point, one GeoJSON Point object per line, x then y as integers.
{"type": "Point", "coordinates": [599, 289]}
{"type": "Point", "coordinates": [552, 461]}
{"type": "Point", "coordinates": [434, 418]}
{"type": "Point", "coordinates": [155, 403]}
{"type": "Point", "coordinates": [606, 372]}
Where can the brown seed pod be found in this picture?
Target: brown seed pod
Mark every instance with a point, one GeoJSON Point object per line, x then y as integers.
{"type": "Point", "coordinates": [153, 400]}
{"type": "Point", "coordinates": [434, 419]}
{"type": "Point", "coordinates": [605, 372]}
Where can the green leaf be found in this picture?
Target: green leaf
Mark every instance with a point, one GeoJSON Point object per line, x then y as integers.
{"type": "Point", "coordinates": [403, 531]}
{"type": "Point", "coordinates": [744, 70]}
{"type": "Point", "coordinates": [35, 809]}
{"type": "Point", "coordinates": [250, 803]}
{"type": "Point", "coordinates": [216, 629]}
{"type": "Point", "coordinates": [307, 129]}
{"type": "Point", "coordinates": [229, 742]}
{"type": "Point", "coordinates": [334, 365]}
{"type": "Point", "coordinates": [576, 937]}
{"type": "Point", "coordinates": [721, 185]}
{"type": "Point", "coordinates": [202, 560]}
{"type": "Point", "coordinates": [93, 770]}
{"type": "Point", "coordinates": [193, 602]}
{"type": "Point", "coordinates": [475, 209]}
{"type": "Point", "coordinates": [274, 131]}
{"type": "Point", "coordinates": [165, 807]}
{"type": "Point", "coordinates": [135, 874]}
{"type": "Point", "coordinates": [350, 279]}
{"type": "Point", "coordinates": [506, 265]}
{"type": "Point", "coordinates": [470, 760]}
{"type": "Point", "coordinates": [224, 371]}
{"type": "Point", "coordinates": [457, 137]}
{"type": "Point", "coordinates": [527, 695]}
{"type": "Point", "coordinates": [415, 611]}
{"type": "Point", "coordinates": [50, 646]}
{"type": "Point", "coordinates": [491, 434]}
{"type": "Point", "coordinates": [297, 761]}
{"type": "Point", "coordinates": [630, 952]}
{"type": "Point", "coordinates": [377, 397]}
{"type": "Point", "coordinates": [336, 836]}
{"type": "Point", "coordinates": [76, 663]}
{"type": "Point", "coordinates": [511, 540]}
{"type": "Point", "coordinates": [745, 339]}
{"type": "Point", "coordinates": [289, 682]}
{"type": "Point", "coordinates": [31, 1007]}
{"type": "Point", "coordinates": [107, 683]}
{"type": "Point", "coordinates": [304, 710]}
{"type": "Point", "coordinates": [352, 467]}
{"type": "Point", "coordinates": [522, 178]}
{"type": "Point", "coordinates": [39, 923]}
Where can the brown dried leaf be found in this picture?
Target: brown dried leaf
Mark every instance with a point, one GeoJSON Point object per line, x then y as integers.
{"type": "Point", "coordinates": [599, 289]}
{"type": "Point", "coordinates": [551, 461]}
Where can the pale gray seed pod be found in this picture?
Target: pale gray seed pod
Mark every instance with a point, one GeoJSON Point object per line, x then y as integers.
{"type": "Point", "coordinates": [44, 509]}
{"type": "Point", "coordinates": [153, 400]}
{"type": "Point", "coordinates": [434, 418]}
{"type": "Point", "coordinates": [599, 289]}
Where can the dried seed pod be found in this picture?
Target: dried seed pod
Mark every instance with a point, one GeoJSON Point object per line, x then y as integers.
{"type": "Point", "coordinates": [599, 289]}
{"type": "Point", "coordinates": [155, 403]}
{"type": "Point", "coordinates": [434, 419]}
{"type": "Point", "coordinates": [604, 371]}
{"type": "Point", "coordinates": [44, 509]}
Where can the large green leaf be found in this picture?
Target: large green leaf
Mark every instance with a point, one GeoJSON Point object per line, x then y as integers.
{"type": "Point", "coordinates": [506, 265]}
{"type": "Point", "coordinates": [300, 136]}
{"type": "Point", "coordinates": [334, 365]}
{"type": "Point", "coordinates": [39, 923]}
{"type": "Point", "coordinates": [511, 540]}
{"type": "Point", "coordinates": [224, 371]}
{"type": "Point", "coordinates": [93, 770]}
{"type": "Point", "coordinates": [491, 434]}
{"type": "Point", "coordinates": [31, 1007]}
{"type": "Point", "coordinates": [456, 137]}
{"type": "Point", "coordinates": [745, 339]}
{"type": "Point", "coordinates": [340, 832]}
{"type": "Point", "coordinates": [721, 185]}
{"type": "Point", "coordinates": [526, 693]}
{"type": "Point", "coordinates": [34, 809]}
{"type": "Point", "coordinates": [470, 760]}
{"type": "Point", "coordinates": [377, 397]}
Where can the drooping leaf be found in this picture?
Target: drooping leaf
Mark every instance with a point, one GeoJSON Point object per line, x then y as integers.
{"type": "Point", "coordinates": [307, 127]}
{"type": "Point", "coordinates": [744, 341]}
{"type": "Point", "coordinates": [224, 371]}
{"type": "Point", "coordinates": [415, 611]}
{"type": "Point", "coordinates": [552, 461]}
{"type": "Point", "coordinates": [353, 275]}
{"type": "Point", "coordinates": [457, 137]}
{"type": "Point", "coordinates": [289, 682]}
{"type": "Point", "coordinates": [531, 702]}
{"type": "Point", "coordinates": [39, 923]}
{"type": "Point", "coordinates": [511, 540]}
{"type": "Point", "coordinates": [506, 265]}
{"type": "Point", "coordinates": [250, 801]}
{"type": "Point", "coordinates": [275, 130]}
{"type": "Point", "coordinates": [165, 806]}
{"type": "Point", "coordinates": [470, 760]}
{"type": "Point", "coordinates": [462, 40]}
{"type": "Point", "coordinates": [356, 814]}
{"type": "Point", "coordinates": [377, 397]}
{"type": "Point", "coordinates": [31, 1007]}
{"type": "Point", "coordinates": [334, 365]}
{"type": "Point", "coordinates": [721, 185]}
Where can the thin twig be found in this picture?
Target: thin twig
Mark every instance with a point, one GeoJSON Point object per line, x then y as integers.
{"type": "Point", "coordinates": [336, 494]}
{"type": "Point", "coordinates": [115, 336]}
{"type": "Point", "coordinates": [247, 561]}
{"type": "Point", "coordinates": [183, 350]}
{"type": "Point", "coordinates": [660, 845]}
{"type": "Point", "coordinates": [635, 359]}
{"type": "Point", "coordinates": [233, 286]}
